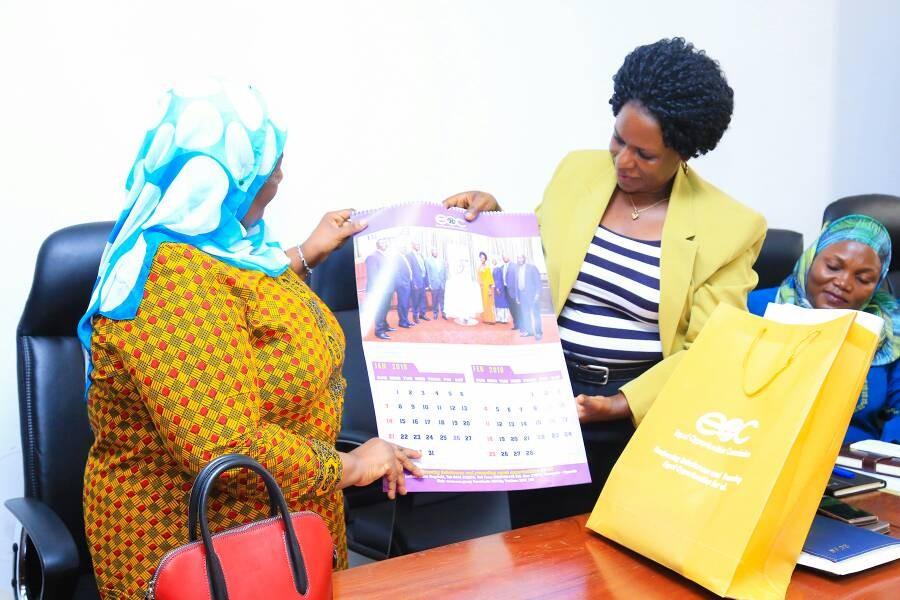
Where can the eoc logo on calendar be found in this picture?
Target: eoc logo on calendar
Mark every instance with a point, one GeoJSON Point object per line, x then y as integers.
{"type": "Point", "coordinates": [463, 351]}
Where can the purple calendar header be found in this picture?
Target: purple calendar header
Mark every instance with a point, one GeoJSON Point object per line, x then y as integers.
{"type": "Point", "coordinates": [505, 374]}
{"type": "Point", "coordinates": [404, 371]}
{"type": "Point", "coordinates": [496, 480]}
{"type": "Point", "coordinates": [438, 217]}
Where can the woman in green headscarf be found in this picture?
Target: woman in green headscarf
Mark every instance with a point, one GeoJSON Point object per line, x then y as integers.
{"type": "Point", "coordinates": [846, 267]}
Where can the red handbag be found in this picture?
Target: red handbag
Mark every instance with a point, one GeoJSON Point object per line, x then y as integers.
{"type": "Point", "coordinates": [286, 556]}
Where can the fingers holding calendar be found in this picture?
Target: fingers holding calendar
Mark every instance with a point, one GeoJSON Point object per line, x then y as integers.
{"type": "Point", "coordinates": [404, 458]}
{"type": "Point", "coordinates": [395, 477]}
{"type": "Point", "coordinates": [379, 458]}
{"type": "Point", "coordinates": [592, 409]}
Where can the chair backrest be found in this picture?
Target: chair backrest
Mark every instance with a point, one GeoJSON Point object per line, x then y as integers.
{"type": "Point", "coordinates": [334, 280]}
{"type": "Point", "coordinates": [53, 419]}
{"type": "Point", "coordinates": [779, 253]}
{"type": "Point", "coordinates": [883, 207]}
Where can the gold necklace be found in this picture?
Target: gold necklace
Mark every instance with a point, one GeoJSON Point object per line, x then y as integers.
{"type": "Point", "coordinates": [636, 212]}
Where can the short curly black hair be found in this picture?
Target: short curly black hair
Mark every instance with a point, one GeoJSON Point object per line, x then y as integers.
{"type": "Point", "coordinates": [683, 88]}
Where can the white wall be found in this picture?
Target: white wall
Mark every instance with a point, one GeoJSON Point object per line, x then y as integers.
{"type": "Point", "coordinates": [406, 100]}
{"type": "Point", "coordinates": [865, 147]}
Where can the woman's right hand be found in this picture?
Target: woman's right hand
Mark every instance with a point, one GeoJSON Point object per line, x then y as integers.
{"type": "Point", "coordinates": [333, 230]}
{"type": "Point", "coordinates": [602, 408]}
{"type": "Point", "coordinates": [474, 202]}
{"type": "Point", "coordinates": [379, 458]}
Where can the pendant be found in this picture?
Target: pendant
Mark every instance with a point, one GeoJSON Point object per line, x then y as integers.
{"type": "Point", "coordinates": [635, 215]}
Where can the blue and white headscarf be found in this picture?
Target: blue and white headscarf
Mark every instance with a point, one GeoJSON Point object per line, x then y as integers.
{"type": "Point", "coordinates": [210, 149]}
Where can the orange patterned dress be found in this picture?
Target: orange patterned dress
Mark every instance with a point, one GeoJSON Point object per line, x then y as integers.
{"type": "Point", "coordinates": [217, 360]}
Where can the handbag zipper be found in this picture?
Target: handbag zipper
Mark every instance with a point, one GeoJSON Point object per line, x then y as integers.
{"type": "Point", "coordinates": [150, 595]}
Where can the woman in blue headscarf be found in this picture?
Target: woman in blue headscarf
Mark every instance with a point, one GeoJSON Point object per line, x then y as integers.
{"type": "Point", "coordinates": [846, 267]}
{"type": "Point", "coordinates": [203, 339]}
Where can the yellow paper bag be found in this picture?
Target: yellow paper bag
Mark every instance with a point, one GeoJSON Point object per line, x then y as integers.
{"type": "Point", "coordinates": [722, 479]}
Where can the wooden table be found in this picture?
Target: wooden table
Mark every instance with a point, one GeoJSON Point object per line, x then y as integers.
{"type": "Point", "coordinates": [562, 559]}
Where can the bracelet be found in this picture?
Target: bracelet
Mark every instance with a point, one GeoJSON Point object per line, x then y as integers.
{"type": "Point", "coordinates": [303, 260]}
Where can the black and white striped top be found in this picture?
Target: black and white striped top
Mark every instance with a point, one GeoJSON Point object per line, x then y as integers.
{"type": "Point", "coordinates": [611, 316]}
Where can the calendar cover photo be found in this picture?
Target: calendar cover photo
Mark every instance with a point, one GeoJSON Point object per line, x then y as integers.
{"type": "Point", "coordinates": [426, 275]}
{"type": "Point", "coordinates": [463, 351]}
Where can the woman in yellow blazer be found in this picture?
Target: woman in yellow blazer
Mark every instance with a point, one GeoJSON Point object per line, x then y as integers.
{"type": "Point", "coordinates": [639, 249]}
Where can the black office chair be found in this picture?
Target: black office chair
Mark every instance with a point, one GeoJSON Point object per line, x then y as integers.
{"type": "Point", "coordinates": [52, 558]}
{"type": "Point", "coordinates": [779, 253]}
{"type": "Point", "coordinates": [885, 208]}
{"type": "Point", "coordinates": [422, 520]}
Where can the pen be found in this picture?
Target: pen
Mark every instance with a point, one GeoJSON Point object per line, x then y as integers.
{"type": "Point", "coordinates": [843, 473]}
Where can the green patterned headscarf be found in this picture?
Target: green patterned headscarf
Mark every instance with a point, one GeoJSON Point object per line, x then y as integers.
{"type": "Point", "coordinates": [868, 231]}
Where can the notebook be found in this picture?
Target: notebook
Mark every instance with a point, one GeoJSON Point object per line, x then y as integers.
{"type": "Point", "coordinates": [871, 456]}
{"type": "Point", "coordinates": [840, 485]}
{"type": "Point", "coordinates": [891, 484]}
{"type": "Point", "coordinates": [841, 549]}
{"type": "Point", "coordinates": [877, 447]}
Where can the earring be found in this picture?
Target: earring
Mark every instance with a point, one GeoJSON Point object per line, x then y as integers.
{"type": "Point", "coordinates": [684, 167]}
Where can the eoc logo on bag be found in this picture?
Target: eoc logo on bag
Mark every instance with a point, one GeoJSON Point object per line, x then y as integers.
{"type": "Point", "coordinates": [450, 221]}
{"type": "Point", "coordinates": [727, 430]}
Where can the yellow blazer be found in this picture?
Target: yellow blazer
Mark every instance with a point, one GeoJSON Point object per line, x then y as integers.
{"type": "Point", "coordinates": [709, 245]}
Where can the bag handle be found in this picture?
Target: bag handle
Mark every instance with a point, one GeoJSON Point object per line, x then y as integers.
{"type": "Point", "coordinates": [200, 493]}
{"type": "Point", "coordinates": [194, 502]}
{"type": "Point", "coordinates": [801, 345]}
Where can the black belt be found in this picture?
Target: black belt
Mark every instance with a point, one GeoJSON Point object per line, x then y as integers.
{"type": "Point", "coordinates": [601, 375]}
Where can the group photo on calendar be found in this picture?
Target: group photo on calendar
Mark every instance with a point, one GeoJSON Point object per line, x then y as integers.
{"type": "Point", "coordinates": [441, 283]}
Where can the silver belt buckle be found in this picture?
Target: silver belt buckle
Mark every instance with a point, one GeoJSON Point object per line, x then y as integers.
{"type": "Point", "coordinates": [604, 371]}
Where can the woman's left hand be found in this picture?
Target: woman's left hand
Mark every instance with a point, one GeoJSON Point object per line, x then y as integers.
{"type": "Point", "coordinates": [602, 408]}
{"type": "Point", "coordinates": [333, 230]}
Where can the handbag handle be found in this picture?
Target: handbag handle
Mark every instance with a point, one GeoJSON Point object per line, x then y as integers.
{"type": "Point", "coordinates": [202, 489]}
{"type": "Point", "coordinates": [801, 345]}
{"type": "Point", "coordinates": [193, 503]}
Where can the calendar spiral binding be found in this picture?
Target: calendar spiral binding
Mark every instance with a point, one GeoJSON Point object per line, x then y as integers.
{"type": "Point", "coordinates": [487, 213]}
